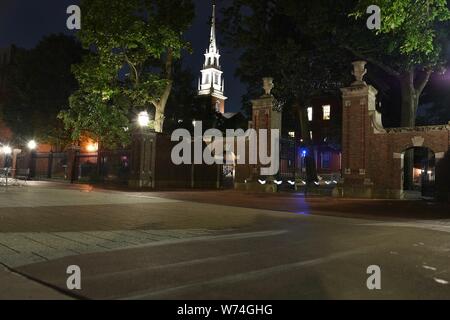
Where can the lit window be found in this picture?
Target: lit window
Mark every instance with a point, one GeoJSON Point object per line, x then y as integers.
{"type": "Point", "coordinates": [292, 134]}
{"type": "Point", "coordinates": [310, 113]}
{"type": "Point", "coordinates": [326, 112]}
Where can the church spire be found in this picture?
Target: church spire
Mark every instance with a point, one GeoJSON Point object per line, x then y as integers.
{"type": "Point", "coordinates": [212, 39]}
{"type": "Point", "coordinates": [211, 82]}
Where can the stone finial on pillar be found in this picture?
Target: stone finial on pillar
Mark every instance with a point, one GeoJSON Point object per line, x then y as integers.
{"type": "Point", "coordinates": [268, 85]}
{"type": "Point", "coordinates": [359, 71]}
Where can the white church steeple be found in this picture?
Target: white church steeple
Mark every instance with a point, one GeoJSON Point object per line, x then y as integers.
{"type": "Point", "coordinates": [212, 38]}
{"type": "Point", "coordinates": [211, 82]}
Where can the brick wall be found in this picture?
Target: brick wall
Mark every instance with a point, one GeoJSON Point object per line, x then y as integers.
{"type": "Point", "coordinates": [372, 156]}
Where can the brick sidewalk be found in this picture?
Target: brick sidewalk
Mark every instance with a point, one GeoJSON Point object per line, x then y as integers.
{"type": "Point", "coordinates": [18, 249]}
{"type": "Point", "coordinates": [43, 222]}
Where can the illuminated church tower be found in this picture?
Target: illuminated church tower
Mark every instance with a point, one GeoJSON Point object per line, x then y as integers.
{"type": "Point", "coordinates": [211, 83]}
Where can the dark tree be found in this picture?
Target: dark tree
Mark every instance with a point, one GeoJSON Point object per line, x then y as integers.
{"type": "Point", "coordinates": [38, 84]}
{"type": "Point", "coordinates": [292, 42]}
{"type": "Point", "coordinates": [435, 108]}
{"type": "Point", "coordinates": [129, 68]}
{"type": "Point", "coordinates": [181, 105]}
{"type": "Point", "coordinates": [410, 46]}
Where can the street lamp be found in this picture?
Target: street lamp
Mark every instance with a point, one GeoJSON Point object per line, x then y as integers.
{"type": "Point", "coordinates": [143, 119]}
{"type": "Point", "coordinates": [7, 150]}
{"type": "Point", "coordinates": [32, 145]}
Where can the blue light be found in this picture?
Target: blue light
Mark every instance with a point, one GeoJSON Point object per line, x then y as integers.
{"type": "Point", "coordinates": [304, 153]}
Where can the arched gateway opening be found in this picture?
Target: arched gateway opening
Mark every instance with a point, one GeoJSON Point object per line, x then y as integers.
{"type": "Point", "coordinates": [423, 175]}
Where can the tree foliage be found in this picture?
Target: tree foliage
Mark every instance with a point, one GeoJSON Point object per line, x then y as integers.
{"type": "Point", "coordinates": [38, 84]}
{"type": "Point", "coordinates": [292, 42]}
{"type": "Point", "coordinates": [182, 105]}
{"type": "Point", "coordinates": [310, 42]}
{"type": "Point", "coordinates": [286, 40]}
{"type": "Point", "coordinates": [129, 66]}
{"type": "Point", "coordinates": [413, 25]}
{"type": "Point", "coordinates": [410, 46]}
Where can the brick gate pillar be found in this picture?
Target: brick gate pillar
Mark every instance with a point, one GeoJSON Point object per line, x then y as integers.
{"type": "Point", "coordinates": [359, 102]}
{"type": "Point", "coordinates": [266, 115]}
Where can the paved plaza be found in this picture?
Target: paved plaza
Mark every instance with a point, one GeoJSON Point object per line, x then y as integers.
{"type": "Point", "coordinates": [217, 245]}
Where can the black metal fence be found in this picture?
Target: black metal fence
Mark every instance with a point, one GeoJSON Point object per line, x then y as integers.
{"type": "Point", "coordinates": [43, 165]}
{"type": "Point", "coordinates": [115, 166]}
{"type": "Point", "coordinates": [50, 165]}
{"type": "Point", "coordinates": [103, 166]}
{"type": "Point", "coordinates": [288, 158]}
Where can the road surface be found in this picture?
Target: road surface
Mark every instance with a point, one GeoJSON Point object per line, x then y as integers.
{"type": "Point", "coordinates": [217, 245]}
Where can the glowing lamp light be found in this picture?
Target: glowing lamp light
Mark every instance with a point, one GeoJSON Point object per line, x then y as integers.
{"type": "Point", "coordinates": [7, 150]}
{"type": "Point", "coordinates": [304, 153]}
{"type": "Point", "coordinates": [262, 182]}
{"type": "Point", "coordinates": [92, 147]}
{"type": "Point", "coordinates": [278, 182]}
{"type": "Point", "coordinates": [32, 145]}
{"type": "Point", "coordinates": [291, 182]}
{"type": "Point", "coordinates": [143, 119]}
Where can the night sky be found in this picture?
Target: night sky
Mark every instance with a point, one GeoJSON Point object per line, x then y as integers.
{"type": "Point", "coordinates": [25, 22]}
